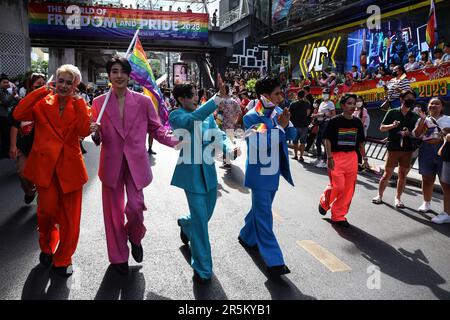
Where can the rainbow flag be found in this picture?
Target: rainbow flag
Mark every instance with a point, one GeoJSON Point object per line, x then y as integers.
{"type": "Point", "coordinates": [143, 74]}
{"type": "Point", "coordinates": [256, 128]}
{"type": "Point", "coordinates": [259, 108]}
{"type": "Point", "coordinates": [431, 35]}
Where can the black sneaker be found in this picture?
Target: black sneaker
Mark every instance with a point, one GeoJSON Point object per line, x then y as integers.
{"type": "Point", "coordinates": [199, 279]}
{"type": "Point", "coordinates": [278, 271]}
{"type": "Point", "coordinates": [137, 252]}
{"type": "Point", "coordinates": [245, 245]}
{"type": "Point", "coordinates": [343, 223]}
{"type": "Point", "coordinates": [151, 152]}
{"type": "Point", "coordinates": [46, 259]}
{"type": "Point", "coordinates": [183, 236]}
{"type": "Point", "coordinates": [29, 198]}
{"type": "Point", "coordinates": [63, 271]}
{"type": "Point", "coordinates": [322, 211]}
{"type": "Point", "coordinates": [121, 268]}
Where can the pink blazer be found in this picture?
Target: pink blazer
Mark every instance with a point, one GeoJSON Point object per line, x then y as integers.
{"type": "Point", "coordinates": [128, 140]}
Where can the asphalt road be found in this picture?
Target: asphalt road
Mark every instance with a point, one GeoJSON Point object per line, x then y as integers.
{"type": "Point", "coordinates": [385, 254]}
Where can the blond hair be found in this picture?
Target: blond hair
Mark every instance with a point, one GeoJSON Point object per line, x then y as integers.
{"type": "Point", "coordinates": [71, 69]}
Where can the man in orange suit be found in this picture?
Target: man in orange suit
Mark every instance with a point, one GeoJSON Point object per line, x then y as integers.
{"type": "Point", "coordinates": [55, 164]}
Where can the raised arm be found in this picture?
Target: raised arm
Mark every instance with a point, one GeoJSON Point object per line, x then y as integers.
{"type": "Point", "coordinates": [24, 110]}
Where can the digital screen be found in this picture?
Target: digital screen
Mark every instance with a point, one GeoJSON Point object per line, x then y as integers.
{"type": "Point", "coordinates": [180, 73]}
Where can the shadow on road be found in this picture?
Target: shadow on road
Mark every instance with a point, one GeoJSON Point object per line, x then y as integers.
{"type": "Point", "coordinates": [409, 268]}
{"type": "Point", "coordinates": [210, 291]}
{"type": "Point", "coordinates": [234, 178]}
{"type": "Point", "coordinates": [279, 288]}
{"type": "Point", "coordinates": [423, 218]}
{"type": "Point", "coordinates": [122, 287]}
{"type": "Point", "coordinates": [35, 287]}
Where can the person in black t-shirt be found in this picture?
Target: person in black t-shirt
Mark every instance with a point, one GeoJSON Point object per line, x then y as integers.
{"type": "Point", "coordinates": [300, 118]}
{"type": "Point", "coordinates": [22, 137]}
{"type": "Point", "coordinates": [308, 94]}
{"type": "Point", "coordinates": [343, 136]}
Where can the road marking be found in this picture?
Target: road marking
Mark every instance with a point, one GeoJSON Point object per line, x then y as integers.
{"type": "Point", "coordinates": [277, 217]}
{"type": "Point", "coordinates": [324, 256]}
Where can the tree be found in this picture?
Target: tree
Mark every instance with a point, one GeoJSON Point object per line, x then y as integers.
{"type": "Point", "coordinates": [40, 66]}
{"type": "Point", "coordinates": [156, 67]}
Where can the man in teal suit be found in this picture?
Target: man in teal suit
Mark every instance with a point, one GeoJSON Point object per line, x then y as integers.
{"type": "Point", "coordinates": [267, 130]}
{"type": "Point", "coordinates": [195, 171]}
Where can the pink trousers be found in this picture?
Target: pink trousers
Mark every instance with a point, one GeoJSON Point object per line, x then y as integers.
{"type": "Point", "coordinates": [339, 192]}
{"type": "Point", "coordinates": [114, 210]}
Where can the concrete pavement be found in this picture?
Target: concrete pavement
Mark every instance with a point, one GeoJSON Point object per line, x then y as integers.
{"type": "Point", "coordinates": [390, 254]}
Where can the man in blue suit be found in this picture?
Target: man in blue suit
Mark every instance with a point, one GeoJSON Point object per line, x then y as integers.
{"type": "Point", "coordinates": [267, 130]}
{"type": "Point", "coordinates": [195, 171]}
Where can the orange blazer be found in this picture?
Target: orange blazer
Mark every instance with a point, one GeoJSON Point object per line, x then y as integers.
{"type": "Point", "coordinates": [56, 146]}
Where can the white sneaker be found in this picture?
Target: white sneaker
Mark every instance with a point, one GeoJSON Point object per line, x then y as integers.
{"type": "Point", "coordinates": [425, 207]}
{"type": "Point", "coordinates": [321, 164]}
{"type": "Point", "coordinates": [441, 218]}
{"type": "Point", "coordinates": [317, 161]}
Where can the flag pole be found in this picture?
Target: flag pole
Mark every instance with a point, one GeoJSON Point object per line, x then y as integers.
{"type": "Point", "coordinates": [110, 90]}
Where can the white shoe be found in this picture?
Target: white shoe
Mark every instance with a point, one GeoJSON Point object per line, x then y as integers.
{"type": "Point", "coordinates": [441, 218]}
{"type": "Point", "coordinates": [321, 164]}
{"type": "Point", "coordinates": [377, 200]}
{"type": "Point", "coordinates": [425, 207]}
{"type": "Point", "coordinates": [317, 161]}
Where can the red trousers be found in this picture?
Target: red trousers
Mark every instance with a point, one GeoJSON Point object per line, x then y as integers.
{"type": "Point", "coordinates": [339, 192]}
{"type": "Point", "coordinates": [59, 221]}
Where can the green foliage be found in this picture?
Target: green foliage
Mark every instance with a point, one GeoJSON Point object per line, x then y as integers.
{"type": "Point", "coordinates": [40, 66]}
{"type": "Point", "coordinates": [250, 86]}
{"type": "Point", "coordinates": [156, 67]}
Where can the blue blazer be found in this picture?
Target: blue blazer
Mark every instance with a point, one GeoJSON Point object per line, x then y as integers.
{"type": "Point", "coordinates": [253, 177]}
{"type": "Point", "coordinates": [201, 176]}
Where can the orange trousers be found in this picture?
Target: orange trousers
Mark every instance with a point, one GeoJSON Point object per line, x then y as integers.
{"type": "Point", "coordinates": [59, 221]}
{"type": "Point", "coordinates": [339, 192]}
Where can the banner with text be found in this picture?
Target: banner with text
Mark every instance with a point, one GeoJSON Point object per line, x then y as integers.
{"type": "Point", "coordinates": [427, 83]}
{"type": "Point", "coordinates": [105, 23]}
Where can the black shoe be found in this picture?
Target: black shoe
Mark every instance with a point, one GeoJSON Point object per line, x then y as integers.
{"type": "Point", "coordinates": [343, 223]}
{"type": "Point", "coordinates": [199, 279]}
{"type": "Point", "coordinates": [63, 271]}
{"type": "Point", "coordinates": [183, 236]}
{"type": "Point", "coordinates": [322, 211]}
{"type": "Point", "coordinates": [278, 271]}
{"type": "Point", "coordinates": [151, 152]}
{"type": "Point", "coordinates": [29, 198]}
{"type": "Point", "coordinates": [45, 259]}
{"type": "Point", "coordinates": [245, 245]}
{"type": "Point", "coordinates": [121, 268]}
{"type": "Point", "coordinates": [137, 252]}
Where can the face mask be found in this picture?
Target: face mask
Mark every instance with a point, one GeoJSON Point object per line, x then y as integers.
{"type": "Point", "coordinates": [359, 104]}
{"type": "Point", "coordinates": [326, 96]}
{"type": "Point", "coordinates": [409, 103]}
{"type": "Point", "coordinates": [315, 105]}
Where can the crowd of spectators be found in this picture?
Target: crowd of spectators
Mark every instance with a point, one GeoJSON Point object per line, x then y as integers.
{"type": "Point", "coordinates": [112, 5]}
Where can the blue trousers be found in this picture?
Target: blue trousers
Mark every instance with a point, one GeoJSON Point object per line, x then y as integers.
{"type": "Point", "coordinates": [258, 228]}
{"type": "Point", "coordinates": [195, 226]}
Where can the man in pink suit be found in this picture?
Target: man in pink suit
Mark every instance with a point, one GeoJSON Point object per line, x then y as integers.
{"type": "Point", "coordinates": [124, 163]}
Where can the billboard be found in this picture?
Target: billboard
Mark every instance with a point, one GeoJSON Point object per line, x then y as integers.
{"type": "Point", "coordinates": [60, 21]}
{"type": "Point", "coordinates": [180, 73]}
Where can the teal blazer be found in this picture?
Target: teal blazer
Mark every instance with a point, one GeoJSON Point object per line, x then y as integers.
{"type": "Point", "coordinates": [195, 171]}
